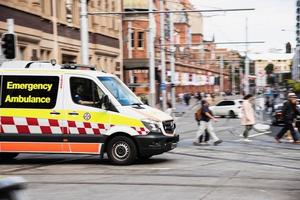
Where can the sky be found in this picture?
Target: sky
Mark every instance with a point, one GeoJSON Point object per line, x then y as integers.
{"type": "Point", "coordinates": [272, 21]}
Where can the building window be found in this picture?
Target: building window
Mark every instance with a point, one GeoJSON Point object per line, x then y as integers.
{"type": "Point", "coordinates": [132, 40]}
{"type": "Point", "coordinates": [69, 11]}
{"type": "Point", "coordinates": [68, 59]}
{"type": "Point", "coordinates": [140, 39]}
{"type": "Point", "coordinates": [34, 55]}
{"type": "Point", "coordinates": [106, 5]}
{"type": "Point", "coordinates": [42, 54]}
{"type": "Point", "coordinates": [113, 6]}
{"type": "Point", "coordinates": [22, 53]}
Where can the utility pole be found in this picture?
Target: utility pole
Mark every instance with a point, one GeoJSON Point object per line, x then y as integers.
{"type": "Point", "coordinates": [233, 77]}
{"type": "Point", "coordinates": [55, 37]}
{"type": "Point", "coordinates": [163, 56]}
{"type": "Point", "coordinates": [152, 93]}
{"type": "Point", "coordinates": [84, 33]}
{"type": "Point", "coordinates": [246, 78]}
{"type": "Point", "coordinates": [129, 42]}
{"type": "Point", "coordinates": [10, 26]}
{"type": "Point", "coordinates": [221, 74]}
{"type": "Point", "coordinates": [172, 62]}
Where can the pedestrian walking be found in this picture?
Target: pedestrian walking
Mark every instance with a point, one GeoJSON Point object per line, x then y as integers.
{"type": "Point", "coordinates": [289, 112]}
{"type": "Point", "coordinates": [203, 139]}
{"type": "Point", "coordinates": [187, 98]}
{"type": "Point", "coordinates": [205, 123]}
{"type": "Point", "coordinates": [247, 116]}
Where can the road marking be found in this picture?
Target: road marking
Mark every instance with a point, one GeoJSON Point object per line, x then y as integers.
{"type": "Point", "coordinates": [259, 134]}
{"type": "Point", "coordinates": [146, 168]}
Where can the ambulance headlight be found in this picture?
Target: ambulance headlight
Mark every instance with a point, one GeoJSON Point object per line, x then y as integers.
{"type": "Point", "coordinates": [152, 126]}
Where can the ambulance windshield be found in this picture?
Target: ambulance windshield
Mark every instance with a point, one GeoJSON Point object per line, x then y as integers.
{"type": "Point", "coordinates": [119, 91]}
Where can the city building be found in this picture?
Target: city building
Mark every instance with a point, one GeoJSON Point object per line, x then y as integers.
{"type": "Point", "coordinates": [49, 29]}
{"type": "Point", "coordinates": [196, 68]}
{"type": "Point", "coordinates": [281, 71]}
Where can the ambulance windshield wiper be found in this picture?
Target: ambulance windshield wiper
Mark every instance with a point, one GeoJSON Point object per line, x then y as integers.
{"type": "Point", "coordinates": [137, 104]}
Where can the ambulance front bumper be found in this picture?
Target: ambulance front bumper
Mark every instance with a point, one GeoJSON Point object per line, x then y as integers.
{"type": "Point", "coordinates": [153, 144]}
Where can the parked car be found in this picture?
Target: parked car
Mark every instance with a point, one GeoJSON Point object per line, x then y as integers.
{"type": "Point", "coordinates": [231, 108]}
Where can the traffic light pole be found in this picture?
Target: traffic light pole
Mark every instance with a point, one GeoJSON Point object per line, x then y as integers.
{"type": "Point", "coordinates": [84, 34]}
{"type": "Point", "coordinates": [8, 46]}
{"type": "Point", "coordinates": [172, 63]}
{"type": "Point", "coordinates": [10, 26]}
{"type": "Point", "coordinates": [152, 27]}
{"type": "Point", "coordinates": [163, 57]}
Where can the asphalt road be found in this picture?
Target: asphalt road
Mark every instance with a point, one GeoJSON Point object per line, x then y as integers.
{"type": "Point", "coordinates": [234, 170]}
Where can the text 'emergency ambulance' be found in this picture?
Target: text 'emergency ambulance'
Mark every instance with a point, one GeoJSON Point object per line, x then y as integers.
{"type": "Point", "coordinates": [29, 86]}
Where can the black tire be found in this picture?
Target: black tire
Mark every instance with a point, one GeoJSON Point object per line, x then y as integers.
{"type": "Point", "coordinates": [121, 150]}
{"type": "Point", "coordinates": [8, 156]}
{"type": "Point", "coordinates": [231, 114]}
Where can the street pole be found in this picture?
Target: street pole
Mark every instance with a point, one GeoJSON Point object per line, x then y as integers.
{"type": "Point", "coordinates": [221, 74]}
{"type": "Point", "coordinates": [152, 100]}
{"type": "Point", "coordinates": [246, 83]}
{"type": "Point", "coordinates": [129, 39]}
{"type": "Point", "coordinates": [241, 73]}
{"type": "Point", "coordinates": [10, 26]}
{"type": "Point", "coordinates": [172, 62]}
{"type": "Point", "coordinates": [233, 78]}
{"type": "Point", "coordinates": [163, 57]}
{"type": "Point", "coordinates": [84, 32]}
{"type": "Point", "coordinates": [55, 37]}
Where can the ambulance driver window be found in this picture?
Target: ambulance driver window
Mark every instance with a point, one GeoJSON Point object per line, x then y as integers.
{"type": "Point", "coordinates": [29, 91]}
{"type": "Point", "coordinates": [86, 92]}
{"type": "Point", "coordinates": [0, 90]}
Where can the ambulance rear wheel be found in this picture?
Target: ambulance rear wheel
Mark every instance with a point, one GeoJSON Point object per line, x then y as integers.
{"type": "Point", "coordinates": [121, 150]}
{"type": "Point", "coordinates": [8, 156]}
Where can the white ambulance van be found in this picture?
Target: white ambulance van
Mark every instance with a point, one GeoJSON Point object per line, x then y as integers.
{"type": "Point", "coordinates": [49, 108]}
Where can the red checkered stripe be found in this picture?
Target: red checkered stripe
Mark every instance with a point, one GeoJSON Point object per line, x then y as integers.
{"type": "Point", "coordinates": [49, 126]}
{"type": "Point", "coordinates": [141, 130]}
{"type": "Point", "coordinates": [26, 125]}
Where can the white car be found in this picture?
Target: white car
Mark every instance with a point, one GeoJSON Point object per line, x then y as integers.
{"type": "Point", "coordinates": [231, 108]}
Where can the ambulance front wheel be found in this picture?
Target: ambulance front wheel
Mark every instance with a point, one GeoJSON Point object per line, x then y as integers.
{"type": "Point", "coordinates": [121, 150]}
{"type": "Point", "coordinates": [8, 156]}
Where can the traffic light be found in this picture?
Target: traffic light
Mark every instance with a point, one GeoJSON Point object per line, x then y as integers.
{"type": "Point", "coordinates": [9, 45]}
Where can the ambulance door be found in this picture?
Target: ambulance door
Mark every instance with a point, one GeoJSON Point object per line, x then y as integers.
{"type": "Point", "coordinates": [1, 130]}
{"type": "Point", "coordinates": [86, 119]}
{"type": "Point", "coordinates": [31, 105]}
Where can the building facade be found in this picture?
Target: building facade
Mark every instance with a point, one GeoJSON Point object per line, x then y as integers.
{"type": "Point", "coordinates": [282, 68]}
{"type": "Point", "coordinates": [196, 69]}
{"type": "Point", "coordinates": [49, 29]}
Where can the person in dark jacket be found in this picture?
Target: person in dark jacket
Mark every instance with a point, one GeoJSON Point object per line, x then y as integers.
{"type": "Point", "coordinates": [289, 111]}
{"type": "Point", "coordinates": [206, 116]}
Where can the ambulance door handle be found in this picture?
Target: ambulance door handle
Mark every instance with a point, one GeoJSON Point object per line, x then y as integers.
{"type": "Point", "coordinates": [55, 113]}
{"type": "Point", "coordinates": [73, 113]}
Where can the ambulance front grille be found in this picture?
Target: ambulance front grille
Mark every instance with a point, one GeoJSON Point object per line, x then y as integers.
{"type": "Point", "coordinates": [169, 126]}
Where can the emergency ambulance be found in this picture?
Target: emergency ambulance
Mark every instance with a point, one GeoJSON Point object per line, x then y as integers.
{"type": "Point", "coordinates": [50, 108]}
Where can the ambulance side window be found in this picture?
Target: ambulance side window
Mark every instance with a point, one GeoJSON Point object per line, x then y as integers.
{"type": "Point", "coordinates": [86, 92]}
{"type": "Point", "coordinates": [0, 90]}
